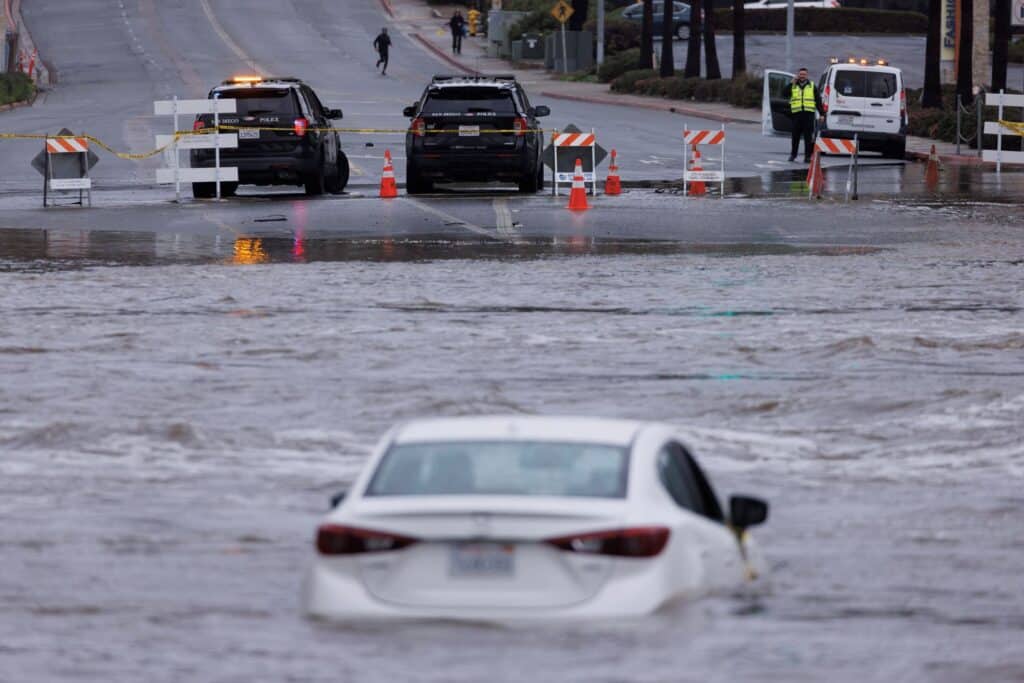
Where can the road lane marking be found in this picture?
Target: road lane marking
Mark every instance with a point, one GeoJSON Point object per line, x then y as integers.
{"type": "Point", "coordinates": [232, 45]}
{"type": "Point", "coordinates": [506, 227]}
{"type": "Point", "coordinates": [453, 220]}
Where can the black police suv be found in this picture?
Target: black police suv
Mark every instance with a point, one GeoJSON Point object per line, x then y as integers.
{"type": "Point", "coordinates": [281, 140]}
{"type": "Point", "coordinates": [451, 138]}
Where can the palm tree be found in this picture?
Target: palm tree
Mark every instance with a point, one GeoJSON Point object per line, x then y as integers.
{"type": "Point", "coordinates": [965, 53]}
{"type": "Point", "coordinates": [647, 36]}
{"type": "Point", "coordinates": [739, 39]}
{"type": "Point", "coordinates": [931, 96]}
{"type": "Point", "coordinates": [692, 69]}
{"type": "Point", "coordinates": [668, 58]}
{"type": "Point", "coordinates": [1002, 45]}
{"type": "Point", "coordinates": [710, 47]}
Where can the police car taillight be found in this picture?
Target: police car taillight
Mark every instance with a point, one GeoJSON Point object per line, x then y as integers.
{"type": "Point", "coordinates": [520, 126]}
{"type": "Point", "coordinates": [418, 127]}
{"type": "Point", "coordinates": [301, 125]}
{"type": "Point", "coordinates": [198, 125]}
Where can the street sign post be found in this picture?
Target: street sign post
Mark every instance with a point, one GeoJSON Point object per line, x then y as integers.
{"type": "Point", "coordinates": [562, 11]}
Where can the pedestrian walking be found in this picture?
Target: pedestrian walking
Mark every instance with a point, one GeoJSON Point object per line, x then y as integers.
{"type": "Point", "coordinates": [804, 108]}
{"type": "Point", "coordinates": [458, 26]}
{"type": "Point", "coordinates": [383, 45]}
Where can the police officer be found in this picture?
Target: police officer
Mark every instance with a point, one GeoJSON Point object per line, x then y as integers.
{"type": "Point", "coordinates": [804, 103]}
{"type": "Point", "coordinates": [383, 45]}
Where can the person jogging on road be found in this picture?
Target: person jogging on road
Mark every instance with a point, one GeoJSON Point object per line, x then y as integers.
{"type": "Point", "coordinates": [382, 44]}
{"type": "Point", "coordinates": [804, 103]}
{"type": "Point", "coordinates": [458, 27]}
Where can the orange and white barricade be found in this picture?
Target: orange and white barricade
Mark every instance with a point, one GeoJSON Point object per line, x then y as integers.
{"type": "Point", "coordinates": [83, 184]}
{"type": "Point", "coordinates": [836, 146]}
{"type": "Point", "coordinates": [691, 140]}
{"type": "Point", "coordinates": [561, 141]}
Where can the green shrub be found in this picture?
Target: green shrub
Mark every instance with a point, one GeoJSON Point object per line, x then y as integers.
{"type": "Point", "coordinates": [15, 87]}
{"type": "Point", "coordinates": [627, 81]}
{"type": "Point", "coordinates": [744, 91]}
{"type": "Point", "coordinates": [618, 64]}
{"type": "Point", "coordinates": [619, 35]}
{"type": "Point", "coordinates": [841, 20]}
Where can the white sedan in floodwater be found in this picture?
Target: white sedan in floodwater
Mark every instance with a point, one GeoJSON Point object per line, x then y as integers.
{"type": "Point", "coordinates": [499, 518]}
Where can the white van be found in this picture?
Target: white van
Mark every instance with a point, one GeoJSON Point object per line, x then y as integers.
{"type": "Point", "coordinates": [861, 98]}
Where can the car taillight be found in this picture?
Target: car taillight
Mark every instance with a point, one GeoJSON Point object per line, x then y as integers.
{"type": "Point", "coordinates": [520, 126]}
{"type": "Point", "coordinates": [636, 542]}
{"type": "Point", "coordinates": [824, 100]}
{"type": "Point", "coordinates": [903, 103]}
{"type": "Point", "coordinates": [418, 127]}
{"type": "Point", "coordinates": [198, 125]}
{"type": "Point", "coordinates": [334, 539]}
{"type": "Point", "coordinates": [301, 126]}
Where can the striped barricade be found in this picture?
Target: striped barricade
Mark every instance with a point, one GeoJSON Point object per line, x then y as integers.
{"type": "Point", "coordinates": [67, 144]}
{"type": "Point", "coordinates": [560, 141]}
{"type": "Point", "coordinates": [836, 146]}
{"type": "Point", "coordinates": [840, 147]}
{"type": "Point", "coordinates": [1003, 128]}
{"type": "Point", "coordinates": [697, 175]}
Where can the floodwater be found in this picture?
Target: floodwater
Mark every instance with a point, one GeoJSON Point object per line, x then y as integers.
{"type": "Point", "coordinates": [176, 411]}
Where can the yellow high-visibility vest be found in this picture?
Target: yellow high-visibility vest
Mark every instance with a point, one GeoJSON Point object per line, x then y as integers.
{"type": "Point", "coordinates": [802, 98]}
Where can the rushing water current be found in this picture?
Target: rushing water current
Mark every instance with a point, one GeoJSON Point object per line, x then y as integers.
{"type": "Point", "coordinates": [171, 430]}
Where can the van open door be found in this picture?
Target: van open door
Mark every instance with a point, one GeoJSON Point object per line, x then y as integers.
{"type": "Point", "coordinates": [775, 119]}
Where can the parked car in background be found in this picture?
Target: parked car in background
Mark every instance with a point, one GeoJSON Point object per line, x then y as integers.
{"type": "Point", "coordinates": [501, 518]}
{"type": "Point", "coordinates": [680, 18]}
{"type": "Point", "coordinates": [782, 4]}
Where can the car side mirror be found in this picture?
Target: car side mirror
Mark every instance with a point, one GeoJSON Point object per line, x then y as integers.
{"type": "Point", "coordinates": [337, 498]}
{"type": "Point", "coordinates": [541, 111]}
{"type": "Point", "coordinates": [334, 114]}
{"type": "Point", "coordinates": [746, 511]}
{"type": "Point", "coordinates": [409, 112]}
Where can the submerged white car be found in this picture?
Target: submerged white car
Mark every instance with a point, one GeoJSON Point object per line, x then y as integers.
{"type": "Point", "coordinates": [501, 518]}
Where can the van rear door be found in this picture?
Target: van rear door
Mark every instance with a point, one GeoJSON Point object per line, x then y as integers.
{"type": "Point", "coordinates": [865, 100]}
{"type": "Point", "coordinates": [775, 114]}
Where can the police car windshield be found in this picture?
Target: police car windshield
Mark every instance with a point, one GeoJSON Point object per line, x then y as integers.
{"type": "Point", "coordinates": [875, 84]}
{"type": "Point", "coordinates": [472, 101]}
{"type": "Point", "coordinates": [255, 101]}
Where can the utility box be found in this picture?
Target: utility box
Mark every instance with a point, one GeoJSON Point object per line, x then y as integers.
{"type": "Point", "coordinates": [579, 48]}
{"type": "Point", "coordinates": [532, 46]}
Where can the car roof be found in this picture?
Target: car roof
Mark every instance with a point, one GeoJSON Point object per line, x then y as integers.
{"type": "Point", "coordinates": [865, 67]}
{"type": "Point", "coordinates": [520, 428]}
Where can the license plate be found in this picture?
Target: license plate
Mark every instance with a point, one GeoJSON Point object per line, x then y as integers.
{"type": "Point", "coordinates": [469, 131]}
{"type": "Point", "coordinates": [482, 560]}
{"type": "Point", "coordinates": [248, 133]}
{"type": "Point", "coordinates": [844, 120]}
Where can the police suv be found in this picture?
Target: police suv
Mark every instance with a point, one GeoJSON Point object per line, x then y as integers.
{"type": "Point", "coordinates": [474, 128]}
{"type": "Point", "coordinates": [861, 97]}
{"type": "Point", "coordinates": [283, 137]}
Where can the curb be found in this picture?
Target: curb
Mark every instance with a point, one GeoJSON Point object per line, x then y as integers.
{"type": "Point", "coordinates": [18, 105]}
{"type": "Point", "coordinates": [683, 111]}
{"type": "Point", "coordinates": [952, 159]}
{"type": "Point", "coordinates": [438, 52]}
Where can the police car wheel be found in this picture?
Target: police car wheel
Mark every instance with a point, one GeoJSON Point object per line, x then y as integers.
{"type": "Point", "coordinates": [204, 190]}
{"type": "Point", "coordinates": [336, 183]}
{"type": "Point", "coordinates": [228, 189]}
{"type": "Point", "coordinates": [414, 183]}
{"type": "Point", "coordinates": [314, 183]}
{"type": "Point", "coordinates": [528, 185]}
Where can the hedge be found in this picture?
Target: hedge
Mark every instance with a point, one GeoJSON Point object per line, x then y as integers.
{"type": "Point", "coordinates": [618, 64]}
{"type": "Point", "coordinates": [745, 91]}
{"type": "Point", "coordinates": [15, 87]}
{"type": "Point", "coordinates": [839, 20]}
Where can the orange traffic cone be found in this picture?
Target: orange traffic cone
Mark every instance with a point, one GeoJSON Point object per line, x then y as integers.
{"type": "Point", "coordinates": [931, 173]}
{"type": "Point", "coordinates": [613, 185]}
{"type": "Point", "coordinates": [815, 176]}
{"type": "Point", "coordinates": [697, 187]}
{"type": "Point", "coordinates": [578, 196]}
{"type": "Point", "coordinates": [388, 188]}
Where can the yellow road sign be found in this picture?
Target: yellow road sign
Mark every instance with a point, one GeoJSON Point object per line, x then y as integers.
{"type": "Point", "coordinates": [562, 11]}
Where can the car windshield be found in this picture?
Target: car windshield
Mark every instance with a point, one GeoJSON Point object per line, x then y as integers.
{"type": "Point", "coordinates": [255, 101]}
{"type": "Point", "coordinates": [472, 101]}
{"type": "Point", "coordinates": [875, 84]}
{"type": "Point", "coordinates": [502, 468]}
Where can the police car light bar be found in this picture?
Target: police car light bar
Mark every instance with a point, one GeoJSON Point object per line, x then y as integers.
{"type": "Point", "coordinates": [247, 79]}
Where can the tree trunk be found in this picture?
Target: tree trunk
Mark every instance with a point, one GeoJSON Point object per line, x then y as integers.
{"type": "Point", "coordinates": [1000, 51]}
{"type": "Point", "coordinates": [965, 60]}
{"type": "Point", "coordinates": [693, 48]}
{"type": "Point", "coordinates": [647, 36]}
{"type": "Point", "coordinates": [931, 96]}
{"type": "Point", "coordinates": [739, 39]}
{"type": "Point", "coordinates": [710, 46]}
{"type": "Point", "coordinates": [668, 58]}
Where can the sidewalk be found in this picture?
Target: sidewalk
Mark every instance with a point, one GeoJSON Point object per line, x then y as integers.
{"type": "Point", "coordinates": [426, 24]}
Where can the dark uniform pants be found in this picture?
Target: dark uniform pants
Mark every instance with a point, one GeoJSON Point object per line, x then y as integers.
{"type": "Point", "coordinates": [457, 40]}
{"type": "Point", "coordinates": [803, 125]}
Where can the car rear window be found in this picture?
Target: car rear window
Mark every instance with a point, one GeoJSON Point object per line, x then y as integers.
{"type": "Point", "coordinates": [874, 84]}
{"type": "Point", "coordinates": [256, 101]}
{"type": "Point", "coordinates": [481, 102]}
{"type": "Point", "coordinates": [526, 468]}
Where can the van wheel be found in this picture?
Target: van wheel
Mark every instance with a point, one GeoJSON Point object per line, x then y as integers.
{"type": "Point", "coordinates": [204, 190]}
{"type": "Point", "coordinates": [895, 150]}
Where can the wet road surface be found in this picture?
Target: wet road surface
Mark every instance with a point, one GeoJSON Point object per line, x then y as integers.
{"type": "Point", "coordinates": [178, 405]}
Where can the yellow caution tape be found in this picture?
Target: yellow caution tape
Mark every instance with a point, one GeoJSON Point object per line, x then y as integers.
{"type": "Point", "coordinates": [1016, 126]}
